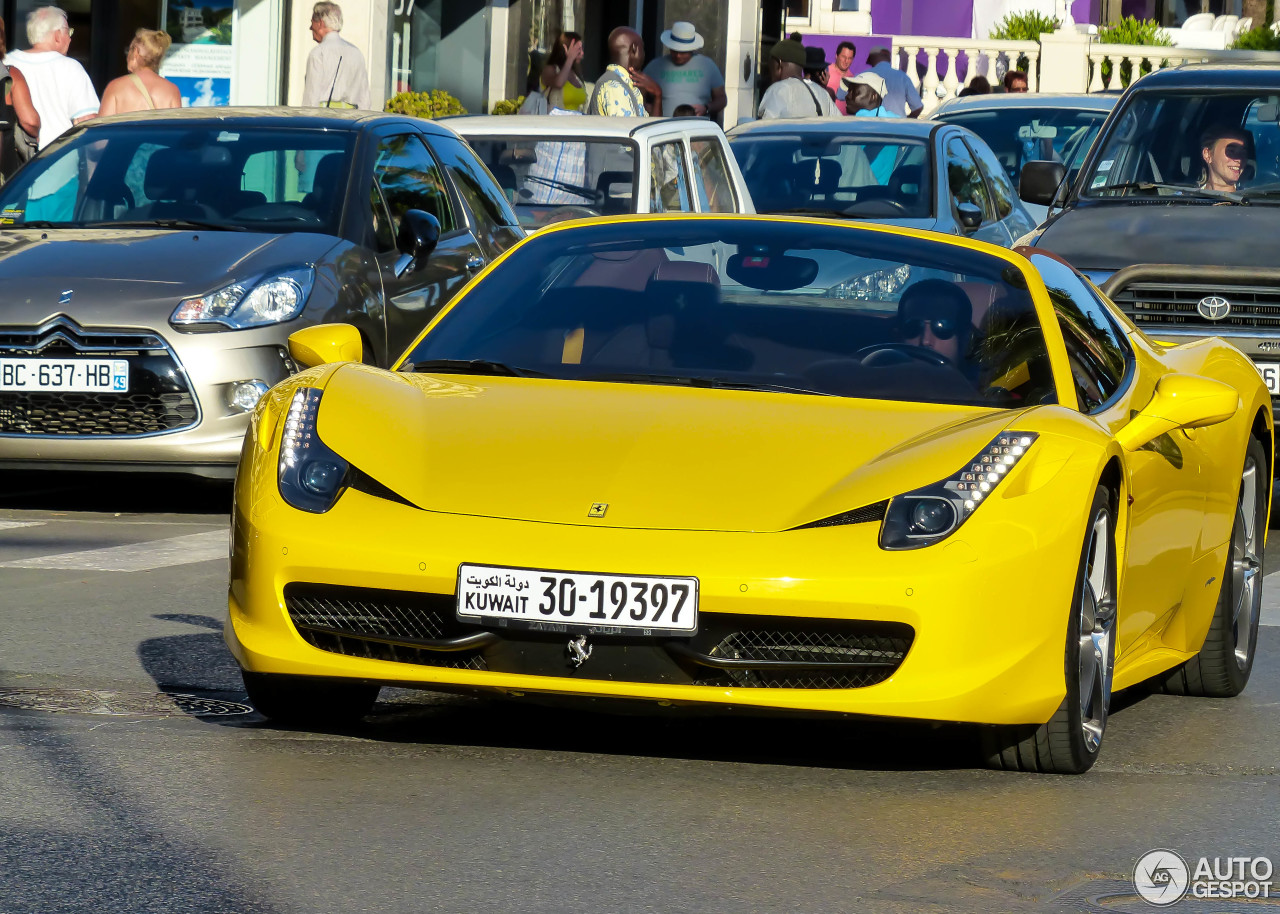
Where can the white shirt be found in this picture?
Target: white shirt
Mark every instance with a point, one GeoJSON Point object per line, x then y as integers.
{"type": "Point", "coordinates": [60, 90]}
{"type": "Point", "coordinates": [336, 65]}
{"type": "Point", "coordinates": [796, 97]}
{"type": "Point", "coordinates": [903, 97]}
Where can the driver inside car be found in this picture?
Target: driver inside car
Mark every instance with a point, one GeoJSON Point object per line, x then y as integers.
{"type": "Point", "coordinates": [935, 314]}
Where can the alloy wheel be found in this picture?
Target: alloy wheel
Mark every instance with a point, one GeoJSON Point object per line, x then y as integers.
{"type": "Point", "coordinates": [1246, 587]}
{"type": "Point", "coordinates": [1097, 628]}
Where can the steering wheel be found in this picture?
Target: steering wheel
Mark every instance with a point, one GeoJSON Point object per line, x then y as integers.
{"type": "Point", "coordinates": [867, 207]}
{"type": "Point", "coordinates": [867, 354]}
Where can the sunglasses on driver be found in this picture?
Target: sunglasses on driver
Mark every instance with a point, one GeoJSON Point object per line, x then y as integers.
{"type": "Point", "coordinates": [941, 328]}
{"type": "Point", "coordinates": [1235, 151]}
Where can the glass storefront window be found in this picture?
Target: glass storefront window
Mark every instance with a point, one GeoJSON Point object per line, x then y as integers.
{"type": "Point", "coordinates": [440, 44]}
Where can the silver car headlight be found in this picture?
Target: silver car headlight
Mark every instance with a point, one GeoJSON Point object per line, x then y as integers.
{"type": "Point", "coordinates": [272, 299]}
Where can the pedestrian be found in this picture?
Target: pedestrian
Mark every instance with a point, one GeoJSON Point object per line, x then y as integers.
{"type": "Point", "coordinates": [144, 89]}
{"type": "Point", "coordinates": [865, 95]}
{"type": "Point", "coordinates": [60, 89]}
{"type": "Point", "coordinates": [1015, 81]}
{"type": "Point", "coordinates": [838, 72]}
{"type": "Point", "coordinates": [685, 76]}
{"type": "Point", "coordinates": [902, 99]}
{"type": "Point", "coordinates": [17, 145]}
{"type": "Point", "coordinates": [561, 79]}
{"type": "Point", "coordinates": [791, 94]}
{"type": "Point", "coordinates": [621, 89]}
{"type": "Point", "coordinates": [336, 75]}
{"type": "Point", "coordinates": [979, 85]}
{"type": "Point", "coordinates": [815, 67]}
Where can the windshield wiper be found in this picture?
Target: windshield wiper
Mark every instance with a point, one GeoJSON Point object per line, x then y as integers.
{"type": "Point", "coordinates": [699, 381]}
{"type": "Point", "coordinates": [1261, 192]}
{"type": "Point", "coordinates": [469, 366]}
{"type": "Point", "coordinates": [41, 223]}
{"type": "Point", "coordinates": [164, 223]}
{"type": "Point", "coordinates": [804, 211]}
{"type": "Point", "coordinates": [1181, 189]}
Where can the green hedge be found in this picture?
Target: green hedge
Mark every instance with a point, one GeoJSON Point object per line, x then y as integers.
{"type": "Point", "coordinates": [436, 103]}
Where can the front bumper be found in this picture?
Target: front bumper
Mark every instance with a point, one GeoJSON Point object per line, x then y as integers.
{"type": "Point", "coordinates": [986, 610]}
{"type": "Point", "coordinates": [196, 430]}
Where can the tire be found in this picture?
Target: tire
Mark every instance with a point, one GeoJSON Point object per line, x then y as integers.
{"type": "Point", "coordinates": [1070, 741]}
{"type": "Point", "coordinates": [311, 702]}
{"type": "Point", "coordinates": [1221, 668]}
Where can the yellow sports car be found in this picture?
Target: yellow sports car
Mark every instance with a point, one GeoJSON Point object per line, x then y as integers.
{"type": "Point", "coordinates": [767, 463]}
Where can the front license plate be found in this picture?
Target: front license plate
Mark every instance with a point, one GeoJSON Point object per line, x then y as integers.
{"type": "Point", "coordinates": [69, 376]}
{"type": "Point", "coordinates": [1270, 372]}
{"type": "Point", "coordinates": [646, 604]}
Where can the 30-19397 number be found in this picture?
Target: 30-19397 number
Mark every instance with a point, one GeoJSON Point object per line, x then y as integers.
{"type": "Point", "coordinates": [642, 602]}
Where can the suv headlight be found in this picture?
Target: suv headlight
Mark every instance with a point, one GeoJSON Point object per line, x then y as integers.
{"type": "Point", "coordinates": [931, 514]}
{"type": "Point", "coordinates": [311, 474]}
{"type": "Point", "coordinates": [881, 285]}
{"type": "Point", "coordinates": [270, 299]}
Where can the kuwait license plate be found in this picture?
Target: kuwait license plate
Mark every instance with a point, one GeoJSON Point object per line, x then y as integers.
{"type": "Point", "coordinates": [1270, 372]}
{"type": "Point", "coordinates": [645, 604]}
{"type": "Point", "coordinates": [69, 376]}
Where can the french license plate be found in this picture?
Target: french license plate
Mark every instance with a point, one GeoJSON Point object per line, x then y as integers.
{"type": "Point", "coordinates": [65, 376]}
{"type": "Point", "coordinates": [646, 604]}
{"type": "Point", "coordinates": [1270, 372]}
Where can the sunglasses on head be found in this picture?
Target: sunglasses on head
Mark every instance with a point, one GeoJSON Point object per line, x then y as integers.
{"type": "Point", "coordinates": [941, 328]}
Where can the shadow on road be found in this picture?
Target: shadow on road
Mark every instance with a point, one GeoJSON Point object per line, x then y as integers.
{"type": "Point", "coordinates": [117, 493]}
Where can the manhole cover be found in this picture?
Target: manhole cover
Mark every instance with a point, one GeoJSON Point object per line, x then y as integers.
{"type": "Point", "coordinates": [119, 704]}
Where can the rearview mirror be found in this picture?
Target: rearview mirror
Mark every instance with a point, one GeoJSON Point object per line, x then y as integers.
{"type": "Point", "coordinates": [771, 272]}
{"type": "Point", "coordinates": [970, 216]}
{"type": "Point", "coordinates": [415, 240]}
{"type": "Point", "coordinates": [1180, 401]}
{"type": "Point", "coordinates": [325, 343]}
{"type": "Point", "coordinates": [1039, 182]}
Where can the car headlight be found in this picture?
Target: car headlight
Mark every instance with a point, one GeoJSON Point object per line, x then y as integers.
{"type": "Point", "coordinates": [271, 299]}
{"type": "Point", "coordinates": [882, 285]}
{"type": "Point", "coordinates": [931, 514]}
{"type": "Point", "coordinates": [311, 474]}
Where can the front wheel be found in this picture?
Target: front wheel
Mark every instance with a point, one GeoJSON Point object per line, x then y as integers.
{"type": "Point", "coordinates": [1222, 667]}
{"type": "Point", "coordinates": [1071, 740]}
{"type": "Point", "coordinates": [309, 702]}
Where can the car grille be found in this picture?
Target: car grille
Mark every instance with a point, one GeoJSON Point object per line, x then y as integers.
{"type": "Point", "coordinates": [1172, 304]}
{"type": "Point", "coordinates": [393, 625]}
{"type": "Point", "coordinates": [159, 398]}
{"type": "Point", "coordinates": [378, 624]}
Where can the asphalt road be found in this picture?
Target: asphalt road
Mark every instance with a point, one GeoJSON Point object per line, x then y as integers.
{"type": "Point", "coordinates": [117, 796]}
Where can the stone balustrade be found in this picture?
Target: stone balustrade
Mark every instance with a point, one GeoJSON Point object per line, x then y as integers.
{"type": "Point", "coordinates": [1132, 61]}
{"type": "Point", "coordinates": [944, 59]}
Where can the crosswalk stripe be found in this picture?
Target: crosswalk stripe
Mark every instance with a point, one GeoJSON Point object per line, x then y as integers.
{"type": "Point", "coordinates": [15, 524]}
{"type": "Point", "coordinates": [177, 550]}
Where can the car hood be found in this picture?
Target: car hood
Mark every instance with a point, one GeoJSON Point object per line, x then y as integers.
{"type": "Point", "coordinates": [127, 276]}
{"type": "Point", "coordinates": [1109, 236]}
{"type": "Point", "coordinates": [661, 457]}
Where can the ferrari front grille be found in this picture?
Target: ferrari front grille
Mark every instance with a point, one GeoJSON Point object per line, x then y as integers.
{"type": "Point", "coordinates": [1173, 304]}
{"type": "Point", "coordinates": [810, 655]}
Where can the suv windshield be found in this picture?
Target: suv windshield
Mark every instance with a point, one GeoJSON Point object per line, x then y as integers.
{"type": "Point", "coordinates": [1156, 147]}
{"type": "Point", "coordinates": [563, 178]}
{"type": "Point", "coordinates": [1018, 135]}
{"type": "Point", "coordinates": [756, 305]}
{"type": "Point", "coordinates": [143, 173]}
{"type": "Point", "coordinates": [845, 175]}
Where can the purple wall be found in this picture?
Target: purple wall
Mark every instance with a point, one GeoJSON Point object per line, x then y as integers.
{"type": "Point", "coordinates": [945, 18]}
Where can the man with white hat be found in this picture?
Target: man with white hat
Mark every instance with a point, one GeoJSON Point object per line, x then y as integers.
{"type": "Point", "coordinates": [865, 95]}
{"type": "Point", "coordinates": [685, 76]}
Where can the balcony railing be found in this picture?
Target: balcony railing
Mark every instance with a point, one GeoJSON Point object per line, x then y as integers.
{"type": "Point", "coordinates": [943, 58]}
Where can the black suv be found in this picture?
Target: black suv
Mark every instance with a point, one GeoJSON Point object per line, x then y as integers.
{"type": "Point", "coordinates": [1140, 219]}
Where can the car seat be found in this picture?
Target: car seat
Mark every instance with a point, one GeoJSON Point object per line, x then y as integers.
{"type": "Point", "coordinates": [327, 185]}
{"type": "Point", "coordinates": [687, 327]}
{"type": "Point", "coordinates": [176, 182]}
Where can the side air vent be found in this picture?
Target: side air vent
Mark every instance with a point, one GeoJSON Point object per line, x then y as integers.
{"type": "Point", "coordinates": [864, 515]}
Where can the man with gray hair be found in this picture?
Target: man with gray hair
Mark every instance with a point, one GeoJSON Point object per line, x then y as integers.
{"type": "Point", "coordinates": [336, 74]}
{"type": "Point", "coordinates": [60, 88]}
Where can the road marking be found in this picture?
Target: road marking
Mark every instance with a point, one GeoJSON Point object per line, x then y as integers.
{"type": "Point", "coordinates": [178, 550]}
{"type": "Point", "coordinates": [15, 524]}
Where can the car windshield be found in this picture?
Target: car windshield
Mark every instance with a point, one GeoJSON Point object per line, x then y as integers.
{"type": "Point", "coordinates": [565, 178]}
{"type": "Point", "coordinates": [228, 176]}
{"type": "Point", "coordinates": [840, 174]}
{"type": "Point", "coordinates": [1020, 135]}
{"type": "Point", "coordinates": [1156, 147]}
{"type": "Point", "coordinates": [753, 304]}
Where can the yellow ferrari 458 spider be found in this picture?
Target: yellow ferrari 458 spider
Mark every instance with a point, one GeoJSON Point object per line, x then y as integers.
{"type": "Point", "coordinates": [767, 463]}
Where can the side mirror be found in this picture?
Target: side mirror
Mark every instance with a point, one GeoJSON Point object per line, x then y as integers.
{"type": "Point", "coordinates": [325, 343]}
{"type": "Point", "coordinates": [970, 216]}
{"type": "Point", "coordinates": [1039, 182]}
{"type": "Point", "coordinates": [1180, 401]}
{"type": "Point", "coordinates": [415, 240]}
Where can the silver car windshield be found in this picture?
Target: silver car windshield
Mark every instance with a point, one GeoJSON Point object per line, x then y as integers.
{"type": "Point", "coordinates": [174, 175]}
